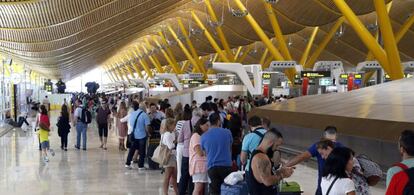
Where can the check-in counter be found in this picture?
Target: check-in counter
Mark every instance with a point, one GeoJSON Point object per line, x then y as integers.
{"type": "Point", "coordinates": [369, 120]}
{"type": "Point", "coordinates": [199, 94]}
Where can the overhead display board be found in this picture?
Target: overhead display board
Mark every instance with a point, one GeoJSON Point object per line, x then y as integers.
{"type": "Point", "coordinates": [315, 74]}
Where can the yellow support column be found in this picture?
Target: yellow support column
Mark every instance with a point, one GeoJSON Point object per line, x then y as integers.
{"type": "Point", "coordinates": [185, 66]}
{"type": "Point", "coordinates": [137, 70]}
{"type": "Point", "coordinates": [264, 56]}
{"type": "Point", "coordinates": [323, 44]}
{"type": "Point", "coordinates": [144, 64]}
{"type": "Point", "coordinates": [130, 71]}
{"type": "Point", "coordinates": [278, 32]}
{"type": "Point", "coordinates": [404, 28]}
{"type": "Point", "coordinates": [190, 44]}
{"type": "Point", "coordinates": [156, 65]}
{"type": "Point", "coordinates": [210, 38]}
{"type": "Point", "coordinates": [395, 68]}
{"type": "Point", "coordinates": [262, 35]}
{"type": "Point", "coordinates": [185, 50]}
{"type": "Point", "coordinates": [267, 62]}
{"type": "Point", "coordinates": [237, 53]}
{"type": "Point", "coordinates": [245, 54]}
{"type": "Point", "coordinates": [108, 74]}
{"type": "Point", "coordinates": [219, 30]}
{"type": "Point", "coordinates": [120, 73]}
{"type": "Point", "coordinates": [363, 34]}
{"type": "Point", "coordinates": [117, 73]}
{"type": "Point", "coordinates": [215, 57]}
{"type": "Point", "coordinates": [124, 72]}
{"type": "Point", "coordinates": [309, 46]}
{"type": "Point", "coordinates": [154, 57]}
{"type": "Point", "coordinates": [370, 57]}
{"type": "Point", "coordinates": [170, 60]}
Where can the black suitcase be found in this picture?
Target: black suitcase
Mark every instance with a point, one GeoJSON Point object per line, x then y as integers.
{"type": "Point", "coordinates": [153, 144]}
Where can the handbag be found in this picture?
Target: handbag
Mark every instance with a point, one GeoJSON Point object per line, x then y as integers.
{"type": "Point", "coordinates": [131, 136]}
{"type": "Point", "coordinates": [161, 154]}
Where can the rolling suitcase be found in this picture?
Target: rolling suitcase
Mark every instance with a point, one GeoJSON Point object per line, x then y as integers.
{"type": "Point", "coordinates": [289, 188]}
{"type": "Point", "coordinates": [153, 144]}
{"type": "Point", "coordinates": [238, 189]}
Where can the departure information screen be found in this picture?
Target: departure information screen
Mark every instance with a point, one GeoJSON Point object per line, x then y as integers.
{"type": "Point", "coordinates": [315, 74]}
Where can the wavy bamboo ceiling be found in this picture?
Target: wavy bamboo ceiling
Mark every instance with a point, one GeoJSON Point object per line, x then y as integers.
{"type": "Point", "coordinates": [63, 38]}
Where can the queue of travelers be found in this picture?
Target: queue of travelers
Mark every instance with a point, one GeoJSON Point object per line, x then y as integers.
{"type": "Point", "coordinates": [203, 144]}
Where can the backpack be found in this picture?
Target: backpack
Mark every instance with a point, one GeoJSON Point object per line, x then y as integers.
{"type": "Point", "coordinates": [155, 127]}
{"type": "Point", "coordinates": [404, 177]}
{"type": "Point", "coordinates": [86, 116]}
{"type": "Point", "coordinates": [155, 124]}
{"type": "Point", "coordinates": [371, 170]}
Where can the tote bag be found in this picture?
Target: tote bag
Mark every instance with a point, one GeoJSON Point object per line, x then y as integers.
{"type": "Point", "coordinates": [161, 154]}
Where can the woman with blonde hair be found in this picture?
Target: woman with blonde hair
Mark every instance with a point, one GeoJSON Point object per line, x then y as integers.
{"type": "Point", "coordinates": [178, 110]}
{"type": "Point", "coordinates": [168, 138]}
{"type": "Point", "coordinates": [169, 113]}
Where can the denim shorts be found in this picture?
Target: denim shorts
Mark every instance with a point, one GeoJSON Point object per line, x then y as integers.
{"type": "Point", "coordinates": [45, 145]}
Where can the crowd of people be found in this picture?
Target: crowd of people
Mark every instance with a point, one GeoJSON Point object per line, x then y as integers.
{"type": "Point", "coordinates": [208, 141]}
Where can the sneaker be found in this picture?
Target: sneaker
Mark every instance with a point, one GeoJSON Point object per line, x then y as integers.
{"type": "Point", "coordinates": [141, 169]}
{"type": "Point", "coordinates": [84, 149]}
{"type": "Point", "coordinates": [128, 167]}
{"type": "Point", "coordinates": [52, 152]}
{"type": "Point", "coordinates": [66, 149]}
{"type": "Point", "coordinates": [77, 147]}
{"type": "Point", "coordinates": [46, 159]}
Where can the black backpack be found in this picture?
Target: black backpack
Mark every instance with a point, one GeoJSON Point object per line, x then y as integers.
{"type": "Point", "coordinates": [409, 188]}
{"type": "Point", "coordinates": [409, 172]}
{"type": "Point", "coordinates": [86, 116]}
{"type": "Point", "coordinates": [155, 124]}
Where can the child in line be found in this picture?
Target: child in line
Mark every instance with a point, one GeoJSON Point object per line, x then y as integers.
{"type": "Point", "coordinates": [44, 133]}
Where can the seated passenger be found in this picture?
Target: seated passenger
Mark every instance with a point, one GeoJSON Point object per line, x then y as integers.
{"type": "Point", "coordinates": [336, 179]}
{"type": "Point", "coordinates": [329, 133]}
{"type": "Point", "coordinates": [13, 123]}
{"type": "Point", "coordinates": [397, 179]}
{"type": "Point", "coordinates": [261, 179]}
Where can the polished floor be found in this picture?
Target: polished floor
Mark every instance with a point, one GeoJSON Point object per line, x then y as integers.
{"type": "Point", "coordinates": [94, 171]}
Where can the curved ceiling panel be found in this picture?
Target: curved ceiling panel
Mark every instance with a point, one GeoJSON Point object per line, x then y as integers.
{"type": "Point", "coordinates": [61, 37]}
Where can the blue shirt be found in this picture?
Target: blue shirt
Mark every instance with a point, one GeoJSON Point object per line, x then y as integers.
{"type": "Point", "coordinates": [143, 121]}
{"type": "Point", "coordinates": [321, 162]}
{"type": "Point", "coordinates": [250, 143]}
{"type": "Point", "coordinates": [217, 142]}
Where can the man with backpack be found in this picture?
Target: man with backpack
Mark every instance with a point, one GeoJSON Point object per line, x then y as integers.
{"type": "Point", "coordinates": [155, 118]}
{"type": "Point", "coordinates": [400, 177]}
{"type": "Point", "coordinates": [251, 141]}
{"type": "Point", "coordinates": [82, 118]}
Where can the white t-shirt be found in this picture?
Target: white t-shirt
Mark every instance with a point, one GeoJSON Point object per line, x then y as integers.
{"type": "Point", "coordinates": [168, 139]}
{"type": "Point", "coordinates": [342, 186]}
{"type": "Point", "coordinates": [78, 112]}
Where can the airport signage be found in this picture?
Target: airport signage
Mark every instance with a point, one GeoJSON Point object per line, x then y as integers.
{"type": "Point", "coordinates": [358, 76]}
{"type": "Point", "coordinates": [343, 76]}
{"type": "Point", "coordinates": [195, 76]}
{"type": "Point", "coordinates": [315, 74]}
{"type": "Point", "coordinates": [266, 76]}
